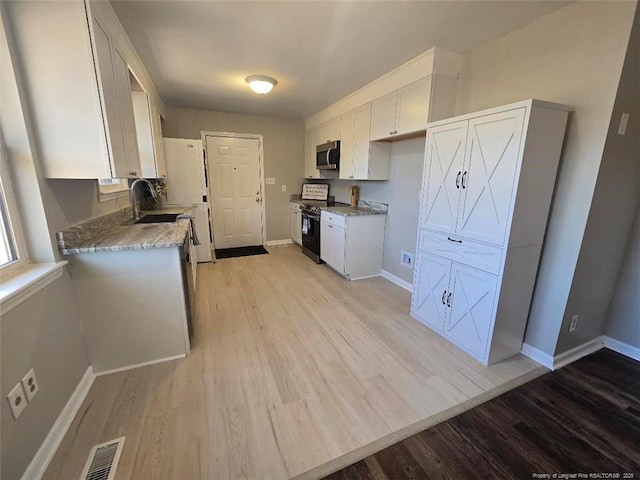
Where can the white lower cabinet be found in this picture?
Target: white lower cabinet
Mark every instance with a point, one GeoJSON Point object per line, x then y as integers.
{"type": "Point", "coordinates": [456, 300]}
{"type": "Point", "coordinates": [295, 218]}
{"type": "Point", "coordinates": [352, 245]}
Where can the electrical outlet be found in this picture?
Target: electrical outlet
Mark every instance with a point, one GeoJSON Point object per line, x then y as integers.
{"type": "Point", "coordinates": [30, 384]}
{"type": "Point", "coordinates": [624, 121]}
{"type": "Point", "coordinates": [284, 188]}
{"type": "Point", "coordinates": [406, 259]}
{"type": "Point", "coordinates": [17, 400]}
{"type": "Point", "coordinates": [574, 322]}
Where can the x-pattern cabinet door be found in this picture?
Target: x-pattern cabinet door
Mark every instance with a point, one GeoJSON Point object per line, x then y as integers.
{"type": "Point", "coordinates": [488, 178]}
{"type": "Point", "coordinates": [472, 303]}
{"type": "Point", "coordinates": [444, 157]}
{"type": "Point", "coordinates": [430, 295]}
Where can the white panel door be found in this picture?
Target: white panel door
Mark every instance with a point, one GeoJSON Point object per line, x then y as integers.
{"type": "Point", "coordinates": [431, 284]}
{"type": "Point", "coordinates": [413, 107]}
{"type": "Point", "coordinates": [471, 300]}
{"type": "Point", "coordinates": [127, 119]}
{"type": "Point", "coordinates": [488, 179]}
{"type": "Point", "coordinates": [362, 131]}
{"type": "Point", "coordinates": [185, 171]}
{"type": "Point", "coordinates": [347, 149]}
{"type": "Point", "coordinates": [383, 116]}
{"type": "Point", "coordinates": [236, 193]}
{"type": "Point", "coordinates": [444, 157]}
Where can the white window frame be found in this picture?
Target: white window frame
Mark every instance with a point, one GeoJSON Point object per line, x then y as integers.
{"type": "Point", "coordinates": [14, 227]}
{"type": "Point", "coordinates": [112, 188]}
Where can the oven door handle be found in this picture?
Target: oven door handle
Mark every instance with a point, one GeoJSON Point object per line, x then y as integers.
{"type": "Point", "coordinates": [312, 217]}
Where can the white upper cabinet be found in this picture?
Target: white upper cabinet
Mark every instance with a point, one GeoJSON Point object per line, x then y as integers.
{"type": "Point", "coordinates": [444, 158]}
{"type": "Point", "coordinates": [150, 144]}
{"type": "Point", "coordinates": [383, 116]}
{"type": "Point", "coordinates": [359, 159]}
{"type": "Point", "coordinates": [310, 143]}
{"type": "Point", "coordinates": [347, 145]}
{"type": "Point", "coordinates": [488, 177]}
{"type": "Point", "coordinates": [469, 174]}
{"type": "Point", "coordinates": [127, 120]}
{"type": "Point", "coordinates": [401, 112]}
{"type": "Point", "coordinates": [329, 131]}
{"type": "Point", "coordinates": [77, 80]}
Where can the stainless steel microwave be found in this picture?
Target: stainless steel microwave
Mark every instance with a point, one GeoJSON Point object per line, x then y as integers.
{"type": "Point", "coordinates": [328, 156]}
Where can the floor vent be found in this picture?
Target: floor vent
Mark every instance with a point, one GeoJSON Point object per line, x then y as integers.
{"type": "Point", "coordinates": [103, 460]}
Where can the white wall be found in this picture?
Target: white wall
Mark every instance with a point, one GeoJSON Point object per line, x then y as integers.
{"type": "Point", "coordinates": [573, 56]}
{"type": "Point", "coordinates": [624, 314]}
{"type": "Point", "coordinates": [283, 153]}
{"type": "Point", "coordinates": [401, 192]}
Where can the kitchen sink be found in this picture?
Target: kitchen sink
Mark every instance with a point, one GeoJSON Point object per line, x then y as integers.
{"type": "Point", "coordinates": [158, 218]}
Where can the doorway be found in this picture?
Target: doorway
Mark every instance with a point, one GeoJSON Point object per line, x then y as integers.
{"type": "Point", "coordinates": [236, 170]}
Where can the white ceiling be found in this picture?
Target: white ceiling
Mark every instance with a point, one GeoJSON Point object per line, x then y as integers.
{"type": "Point", "coordinates": [199, 52]}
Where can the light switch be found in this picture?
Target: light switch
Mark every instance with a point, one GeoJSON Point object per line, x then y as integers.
{"type": "Point", "coordinates": [271, 180]}
{"type": "Point", "coordinates": [284, 188]}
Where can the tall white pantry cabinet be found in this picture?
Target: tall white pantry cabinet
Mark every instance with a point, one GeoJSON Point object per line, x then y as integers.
{"type": "Point", "coordinates": [486, 192]}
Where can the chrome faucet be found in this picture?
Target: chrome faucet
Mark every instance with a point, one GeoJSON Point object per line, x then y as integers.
{"type": "Point", "coordinates": [134, 200]}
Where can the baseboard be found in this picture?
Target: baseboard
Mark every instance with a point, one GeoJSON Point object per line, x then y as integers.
{"type": "Point", "coordinates": [397, 280]}
{"type": "Point", "coordinates": [138, 365]}
{"type": "Point", "coordinates": [52, 441]}
{"type": "Point", "coordinates": [537, 355]}
{"type": "Point", "coordinates": [578, 352]}
{"type": "Point", "coordinates": [284, 241]}
{"type": "Point", "coordinates": [622, 348]}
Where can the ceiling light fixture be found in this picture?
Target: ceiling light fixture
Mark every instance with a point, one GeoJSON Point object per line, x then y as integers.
{"type": "Point", "coordinates": [261, 84]}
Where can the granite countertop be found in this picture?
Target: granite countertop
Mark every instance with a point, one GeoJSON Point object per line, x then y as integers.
{"type": "Point", "coordinates": [364, 207]}
{"type": "Point", "coordinates": [114, 232]}
{"type": "Point", "coordinates": [349, 211]}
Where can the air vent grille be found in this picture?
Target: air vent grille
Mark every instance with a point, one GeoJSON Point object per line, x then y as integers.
{"type": "Point", "coordinates": [103, 460]}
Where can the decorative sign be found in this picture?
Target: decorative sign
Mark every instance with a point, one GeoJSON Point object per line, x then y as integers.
{"type": "Point", "coordinates": [315, 191]}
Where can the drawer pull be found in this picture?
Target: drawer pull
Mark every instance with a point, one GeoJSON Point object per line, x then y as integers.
{"type": "Point", "coordinates": [452, 240]}
{"type": "Point", "coordinates": [444, 293]}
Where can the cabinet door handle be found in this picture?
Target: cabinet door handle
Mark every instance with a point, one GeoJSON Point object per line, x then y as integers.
{"type": "Point", "coordinates": [391, 132]}
{"type": "Point", "coordinates": [449, 300]}
{"type": "Point", "coordinates": [464, 175]}
{"type": "Point", "coordinates": [133, 173]}
{"type": "Point", "coordinates": [458, 180]}
{"type": "Point", "coordinates": [452, 240]}
{"type": "Point", "coordinates": [444, 293]}
{"type": "Point", "coordinates": [330, 226]}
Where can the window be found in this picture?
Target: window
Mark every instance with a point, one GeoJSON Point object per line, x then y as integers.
{"type": "Point", "coordinates": [111, 188]}
{"type": "Point", "coordinates": [12, 251]}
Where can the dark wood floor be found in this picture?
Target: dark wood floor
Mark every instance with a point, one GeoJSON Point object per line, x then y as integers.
{"type": "Point", "coordinates": [584, 418]}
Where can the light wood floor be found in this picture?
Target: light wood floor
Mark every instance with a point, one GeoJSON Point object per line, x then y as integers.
{"type": "Point", "coordinates": [294, 372]}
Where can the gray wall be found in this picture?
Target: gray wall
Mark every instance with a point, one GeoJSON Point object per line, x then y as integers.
{"type": "Point", "coordinates": [283, 153]}
{"type": "Point", "coordinates": [572, 56]}
{"type": "Point", "coordinates": [42, 333]}
{"type": "Point", "coordinates": [624, 314]}
{"type": "Point", "coordinates": [612, 214]}
{"type": "Point", "coordinates": [401, 192]}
